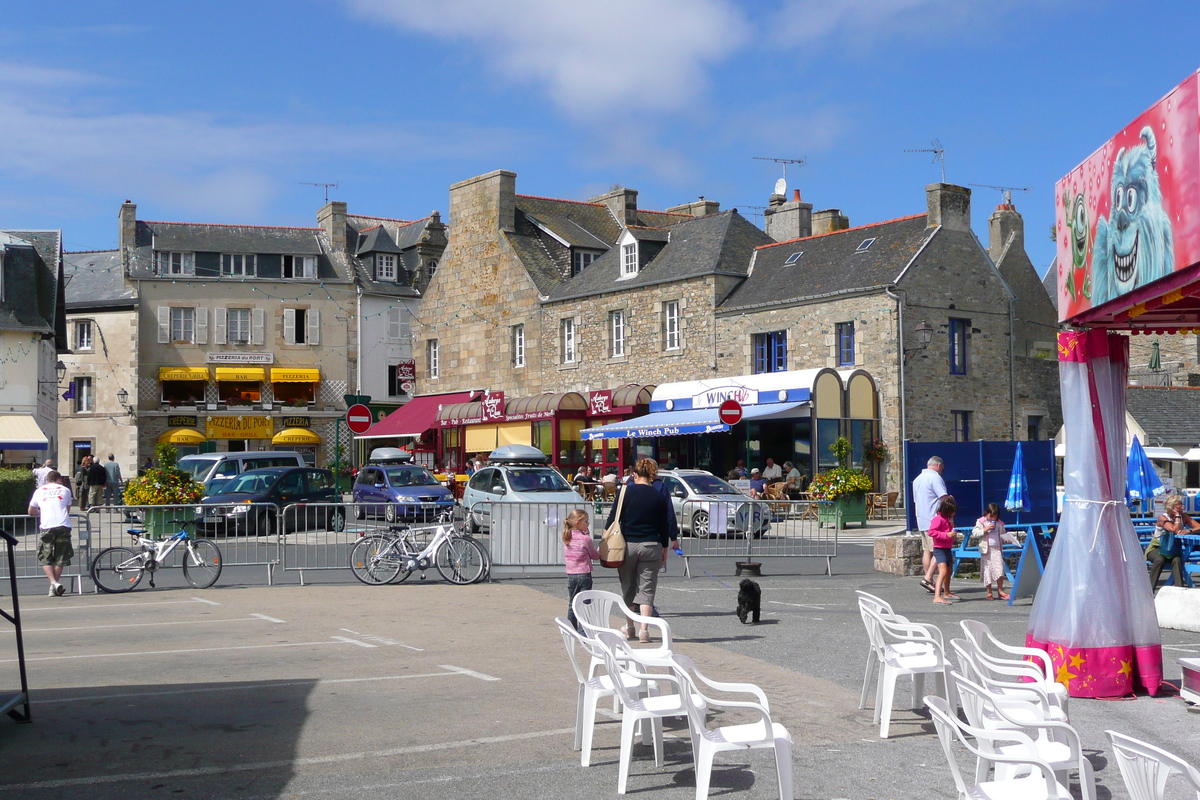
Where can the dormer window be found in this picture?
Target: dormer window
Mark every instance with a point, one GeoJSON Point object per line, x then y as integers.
{"type": "Point", "coordinates": [581, 260]}
{"type": "Point", "coordinates": [629, 260]}
{"type": "Point", "coordinates": [238, 266]}
{"type": "Point", "coordinates": [385, 267]}
{"type": "Point", "coordinates": [175, 263]}
{"type": "Point", "coordinates": [299, 267]}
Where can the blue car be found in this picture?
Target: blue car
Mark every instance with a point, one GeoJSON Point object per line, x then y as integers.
{"type": "Point", "coordinates": [399, 492]}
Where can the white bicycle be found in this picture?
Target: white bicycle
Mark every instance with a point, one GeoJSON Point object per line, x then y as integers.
{"type": "Point", "coordinates": [120, 569]}
{"type": "Point", "coordinates": [390, 557]}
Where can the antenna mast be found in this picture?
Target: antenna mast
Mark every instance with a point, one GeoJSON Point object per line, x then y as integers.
{"type": "Point", "coordinates": [1006, 190]}
{"type": "Point", "coordinates": [939, 154]}
{"type": "Point", "coordinates": [326, 186]}
{"type": "Point", "coordinates": [799, 162]}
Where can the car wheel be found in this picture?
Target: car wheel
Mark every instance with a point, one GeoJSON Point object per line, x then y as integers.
{"type": "Point", "coordinates": [700, 525]}
{"type": "Point", "coordinates": [337, 521]}
{"type": "Point", "coordinates": [473, 525]}
{"type": "Point", "coordinates": [358, 511]}
{"type": "Point", "coordinates": [266, 524]}
{"type": "Point", "coordinates": [389, 512]}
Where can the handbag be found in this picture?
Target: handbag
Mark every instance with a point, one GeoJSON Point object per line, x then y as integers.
{"type": "Point", "coordinates": [612, 543]}
{"type": "Point", "coordinates": [1169, 546]}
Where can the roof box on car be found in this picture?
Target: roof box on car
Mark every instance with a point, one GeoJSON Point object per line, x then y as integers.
{"type": "Point", "coordinates": [517, 454]}
{"type": "Point", "coordinates": [389, 455]}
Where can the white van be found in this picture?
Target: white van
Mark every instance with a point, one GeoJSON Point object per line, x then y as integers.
{"type": "Point", "coordinates": [213, 469]}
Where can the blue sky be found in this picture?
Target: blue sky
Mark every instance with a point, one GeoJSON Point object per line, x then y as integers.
{"type": "Point", "coordinates": [218, 111]}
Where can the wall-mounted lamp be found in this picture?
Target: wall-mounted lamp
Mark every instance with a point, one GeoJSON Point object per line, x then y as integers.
{"type": "Point", "coordinates": [924, 337]}
{"type": "Point", "coordinates": [123, 399]}
{"type": "Point", "coordinates": [60, 372]}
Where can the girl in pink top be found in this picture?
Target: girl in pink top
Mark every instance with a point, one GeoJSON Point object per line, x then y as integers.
{"type": "Point", "coordinates": [579, 551]}
{"type": "Point", "coordinates": [941, 530]}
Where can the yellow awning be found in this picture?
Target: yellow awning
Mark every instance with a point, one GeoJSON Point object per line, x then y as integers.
{"type": "Point", "coordinates": [183, 373]}
{"type": "Point", "coordinates": [186, 436]}
{"type": "Point", "coordinates": [295, 375]}
{"type": "Point", "coordinates": [241, 374]}
{"type": "Point", "coordinates": [21, 432]}
{"type": "Point", "coordinates": [296, 436]}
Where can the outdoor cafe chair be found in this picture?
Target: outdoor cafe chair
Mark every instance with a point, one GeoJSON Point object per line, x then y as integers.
{"type": "Point", "coordinates": [1035, 659]}
{"type": "Point", "coordinates": [1038, 784]}
{"type": "Point", "coordinates": [707, 742]}
{"type": "Point", "coordinates": [1146, 768]}
{"type": "Point", "coordinates": [877, 648]}
{"type": "Point", "coordinates": [900, 659]}
{"type": "Point", "coordinates": [999, 679]}
{"type": "Point", "coordinates": [595, 608]}
{"type": "Point", "coordinates": [1057, 743]}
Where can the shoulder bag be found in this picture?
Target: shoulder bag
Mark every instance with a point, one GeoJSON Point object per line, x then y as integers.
{"type": "Point", "coordinates": [612, 543]}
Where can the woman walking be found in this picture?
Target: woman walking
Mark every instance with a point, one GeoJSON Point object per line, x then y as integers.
{"type": "Point", "coordinates": [644, 524]}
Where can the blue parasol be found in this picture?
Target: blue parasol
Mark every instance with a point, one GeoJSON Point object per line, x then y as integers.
{"type": "Point", "coordinates": [1018, 486]}
{"type": "Point", "coordinates": [1141, 480]}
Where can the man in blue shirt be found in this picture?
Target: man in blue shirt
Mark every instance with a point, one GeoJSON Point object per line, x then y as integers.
{"type": "Point", "coordinates": [928, 489]}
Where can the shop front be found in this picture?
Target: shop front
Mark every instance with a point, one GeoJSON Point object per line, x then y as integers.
{"type": "Point", "coordinates": [182, 386]}
{"type": "Point", "coordinates": [414, 426]}
{"type": "Point", "coordinates": [295, 386]}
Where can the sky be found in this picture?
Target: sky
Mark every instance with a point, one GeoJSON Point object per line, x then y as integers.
{"type": "Point", "coordinates": [221, 111]}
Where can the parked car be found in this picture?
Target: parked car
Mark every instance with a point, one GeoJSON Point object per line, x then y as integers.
{"type": "Point", "coordinates": [515, 474]}
{"type": "Point", "coordinates": [215, 469]}
{"type": "Point", "coordinates": [399, 491]}
{"type": "Point", "coordinates": [230, 512]}
{"type": "Point", "coordinates": [695, 492]}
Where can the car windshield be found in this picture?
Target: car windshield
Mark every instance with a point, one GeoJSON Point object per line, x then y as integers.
{"type": "Point", "coordinates": [250, 483]}
{"type": "Point", "coordinates": [410, 476]}
{"type": "Point", "coordinates": [536, 479]}
{"type": "Point", "coordinates": [196, 467]}
{"type": "Point", "coordinates": [708, 484]}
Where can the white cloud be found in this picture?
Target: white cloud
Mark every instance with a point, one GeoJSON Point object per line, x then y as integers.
{"type": "Point", "coordinates": [861, 23]}
{"type": "Point", "coordinates": [590, 57]}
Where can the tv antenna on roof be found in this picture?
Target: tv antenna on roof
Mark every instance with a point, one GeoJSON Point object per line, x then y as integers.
{"type": "Point", "coordinates": [939, 154]}
{"type": "Point", "coordinates": [326, 186]}
{"type": "Point", "coordinates": [1007, 190]}
{"type": "Point", "coordinates": [781, 184]}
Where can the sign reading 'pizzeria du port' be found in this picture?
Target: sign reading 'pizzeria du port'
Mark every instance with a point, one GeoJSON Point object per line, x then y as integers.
{"type": "Point", "coordinates": [240, 428]}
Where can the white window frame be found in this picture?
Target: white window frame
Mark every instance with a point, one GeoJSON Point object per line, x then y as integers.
{"type": "Point", "coordinates": [582, 259]}
{"type": "Point", "coordinates": [617, 333]}
{"type": "Point", "coordinates": [569, 340]}
{"type": "Point", "coordinates": [671, 338]}
{"type": "Point", "coordinates": [385, 267]}
{"type": "Point", "coordinates": [629, 259]}
{"type": "Point", "coordinates": [183, 321]}
{"type": "Point", "coordinates": [518, 345]}
{"type": "Point", "coordinates": [239, 265]}
{"type": "Point", "coordinates": [431, 355]}
{"type": "Point", "coordinates": [174, 263]}
{"type": "Point", "coordinates": [395, 324]}
{"type": "Point", "coordinates": [307, 270]}
{"type": "Point", "coordinates": [85, 395]}
{"type": "Point", "coordinates": [238, 333]}
{"type": "Point", "coordinates": [83, 342]}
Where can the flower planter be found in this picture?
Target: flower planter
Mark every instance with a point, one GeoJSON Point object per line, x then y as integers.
{"type": "Point", "coordinates": [847, 508]}
{"type": "Point", "coordinates": [160, 522]}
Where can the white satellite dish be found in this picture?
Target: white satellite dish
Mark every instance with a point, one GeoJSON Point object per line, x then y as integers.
{"type": "Point", "coordinates": [781, 186]}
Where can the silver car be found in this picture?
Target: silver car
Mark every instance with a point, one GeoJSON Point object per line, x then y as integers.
{"type": "Point", "coordinates": [515, 474]}
{"type": "Point", "coordinates": [699, 497]}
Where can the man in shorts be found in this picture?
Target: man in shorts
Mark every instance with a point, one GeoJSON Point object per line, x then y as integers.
{"type": "Point", "coordinates": [928, 489]}
{"type": "Point", "coordinates": [51, 504]}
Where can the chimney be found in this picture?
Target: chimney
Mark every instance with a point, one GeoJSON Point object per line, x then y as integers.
{"type": "Point", "coordinates": [949, 206]}
{"type": "Point", "coordinates": [784, 220]}
{"type": "Point", "coordinates": [127, 229]}
{"type": "Point", "coordinates": [622, 203]}
{"type": "Point", "coordinates": [332, 217]}
{"type": "Point", "coordinates": [829, 220]}
{"type": "Point", "coordinates": [487, 201]}
{"type": "Point", "coordinates": [1004, 223]}
{"type": "Point", "coordinates": [697, 208]}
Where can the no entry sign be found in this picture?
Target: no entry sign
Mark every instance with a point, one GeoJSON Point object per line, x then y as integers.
{"type": "Point", "coordinates": [358, 417]}
{"type": "Point", "coordinates": [730, 412]}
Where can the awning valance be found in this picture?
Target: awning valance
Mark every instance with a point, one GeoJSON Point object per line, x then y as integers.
{"type": "Point", "coordinates": [295, 375]}
{"type": "Point", "coordinates": [542, 405]}
{"type": "Point", "coordinates": [688, 421]}
{"type": "Point", "coordinates": [183, 373]}
{"type": "Point", "coordinates": [241, 374]}
{"type": "Point", "coordinates": [21, 432]}
{"type": "Point", "coordinates": [184, 436]}
{"type": "Point", "coordinates": [449, 413]}
{"type": "Point", "coordinates": [632, 394]}
{"type": "Point", "coordinates": [295, 436]}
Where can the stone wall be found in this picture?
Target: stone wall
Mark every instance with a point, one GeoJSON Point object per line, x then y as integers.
{"type": "Point", "coordinates": [898, 555]}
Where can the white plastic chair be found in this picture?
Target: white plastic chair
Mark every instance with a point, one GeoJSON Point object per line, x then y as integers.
{"type": "Point", "coordinates": [982, 636]}
{"type": "Point", "coordinates": [707, 742]}
{"type": "Point", "coordinates": [1034, 786]}
{"type": "Point", "coordinates": [1007, 678]}
{"type": "Point", "coordinates": [1145, 768]}
{"type": "Point", "coordinates": [595, 608]}
{"type": "Point", "coordinates": [900, 658]}
{"type": "Point", "coordinates": [1056, 743]}
{"type": "Point", "coordinates": [875, 638]}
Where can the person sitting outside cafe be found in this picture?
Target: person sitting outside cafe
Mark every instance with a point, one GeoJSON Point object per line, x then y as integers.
{"type": "Point", "coordinates": [1172, 520]}
{"type": "Point", "coordinates": [758, 486]}
{"type": "Point", "coordinates": [772, 472]}
{"type": "Point", "coordinates": [795, 481]}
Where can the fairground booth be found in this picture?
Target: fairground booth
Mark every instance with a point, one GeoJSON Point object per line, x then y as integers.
{"type": "Point", "coordinates": [1128, 232]}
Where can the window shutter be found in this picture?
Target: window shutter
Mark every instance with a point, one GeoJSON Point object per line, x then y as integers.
{"type": "Point", "coordinates": [257, 324]}
{"type": "Point", "coordinates": [310, 266]}
{"type": "Point", "coordinates": [219, 325]}
{"type": "Point", "coordinates": [289, 326]}
{"type": "Point", "coordinates": [314, 326]}
{"type": "Point", "coordinates": [164, 324]}
{"type": "Point", "coordinates": [201, 325]}
{"type": "Point", "coordinates": [393, 323]}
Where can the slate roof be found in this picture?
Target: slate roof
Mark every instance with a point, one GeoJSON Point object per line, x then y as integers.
{"type": "Point", "coordinates": [385, 235]}
{"type": "Point", "coordinates": [719, 243]}
{"type": "Point", "coordinates": [1170, 415]}
{"type": "Point", "coordinates": [94, 280]}
{"type": "Point", "coordinates": [376, 240]}
{"type": "Point", "coordinates": [30, 281]}
{"type": "Point", "coordinates": [1050, 281]}
{"type": "Point", "coordinates": [587, 225]}
{"type": "Point", "coordinates": [47, 243]}
{"type": "Point", "coordinates": [829, 263]}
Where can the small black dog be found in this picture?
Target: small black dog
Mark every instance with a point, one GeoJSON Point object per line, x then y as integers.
{"type": "Point", "coordinates": [749, 600]}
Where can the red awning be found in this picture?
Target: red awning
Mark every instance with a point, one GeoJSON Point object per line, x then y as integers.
{"type": "Point", "coordinates": [414, 417]}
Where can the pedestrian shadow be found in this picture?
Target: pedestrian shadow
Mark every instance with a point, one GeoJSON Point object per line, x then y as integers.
{"type": "Point", "coordinates": [715, 639]}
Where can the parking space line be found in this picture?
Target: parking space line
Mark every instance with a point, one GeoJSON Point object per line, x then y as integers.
{"type": "Point", "coordinates": [348, 640]}
{"type": "Point", "coordinates": [370, 637]}
{"type": "Point", "coordinates": [251, 618]}
{"type": "Point", "coordinates": [470, 672]}
{"type": "Point", "coordinates": [268, 619]}
{"type": "Point", "coordinates": [169, 652]}
{"type": "Point", "coordinates": [282, 764]}
{"type": "Point", "coordinates": [203, 600]}
{"type": "Point", "coordinates": [78, 607]}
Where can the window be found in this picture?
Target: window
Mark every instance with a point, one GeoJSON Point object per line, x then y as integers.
{"type": "Point", "coordinates": [299, 267]}
{"type": "Point", "coordinates": [793, 258]}
{"type": "Point", "coordinates": [396, 327]}
{"type": "Point", "coordinates": [430, 268]}
{"type": "Point", "coordinates": [83, 335]}
{"type": "Point", "coordinates": [581, 260]}
{"type": "Point", "coordinates": [84, 399]}
{"type": "Point", "coordinates": [962, 425]}
{"type": "Point", "coordinates": [865, 245]}
{"type": "Point", "coordinates": [385, 267]}
{"type": "Point", "coordinates": [958, 346]}
{"type": "Point", "coordinates": [237, 321]}
{"type": "Point", "coordinates": [183, 324]}
{"type": "Point", "coordinates": [770, 352]}
{"type": "Point", "coordinates": [1033, 429]}
{"type": "Point", "coordinates": [175, 263]}
{"type": "Point", "coordinates": [616, 334]}
{"type": "Point", "coordinates": [238, 265]}
{"type": "Point", "coordinates": [629, 260]}
{"type": "Point", "coordinates": [393, 382]}
{"type": "Point", "coordinates": [568, 341]}
{"type": "Point", "coordinates": [845, 344]}
{"type": "Point", "coordinates": [670, 323]}
{"type": "Point", "coordinates": [301, 326]}
{"type": "Point", "coordinates": [518, 345]}
{"type": "Point", "coordinates": [431, 356]}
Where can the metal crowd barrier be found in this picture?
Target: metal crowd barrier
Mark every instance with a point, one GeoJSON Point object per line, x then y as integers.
{"type": "Point", "coordinates": [749, 529]}
{"type": "Point", "coordinates": [25, 530]}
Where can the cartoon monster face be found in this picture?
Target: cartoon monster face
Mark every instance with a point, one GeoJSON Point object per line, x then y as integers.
{"type": "Point", "coordinates": [1077, 219]}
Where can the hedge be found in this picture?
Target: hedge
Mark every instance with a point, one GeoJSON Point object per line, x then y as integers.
{"type": "Point", "coordinates": [16, 487]}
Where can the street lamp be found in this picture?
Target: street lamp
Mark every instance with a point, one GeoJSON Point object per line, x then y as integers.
{"type": "Point", "coordinates": [924, 337]}
{"type": "Point", "coordinates": [60, 372]}
{"type": "Point", "coordinates": [123, 399]}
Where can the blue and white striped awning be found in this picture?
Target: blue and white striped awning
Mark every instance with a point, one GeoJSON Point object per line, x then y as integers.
{"type": "Point", "coordinates": [689, 421]}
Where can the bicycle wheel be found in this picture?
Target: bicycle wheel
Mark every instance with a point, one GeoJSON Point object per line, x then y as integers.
{"type": "Point", "coordinates": [460, 560]}
{"type": "Point", "coordinates": [202, 564]}
{"type": "Point", "coordinates": [117, 569]}
{"type": "Point", "coordinates": [373, 561]}
{"type": "Point", "coordinates": [487, 558]}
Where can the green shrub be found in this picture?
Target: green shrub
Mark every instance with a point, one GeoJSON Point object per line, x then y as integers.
{"type": "Point", "coordinates": [16, 487]}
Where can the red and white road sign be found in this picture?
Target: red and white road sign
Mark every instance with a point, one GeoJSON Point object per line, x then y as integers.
{"type": "Point", "coordinates": [730, 412]}
{"type": "Point", "coordinates": [358, 417]}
